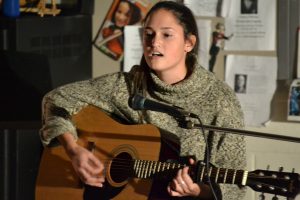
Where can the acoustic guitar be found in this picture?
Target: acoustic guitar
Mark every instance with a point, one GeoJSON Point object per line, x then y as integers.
{"type": "Point", "coordinates": [133, 162]}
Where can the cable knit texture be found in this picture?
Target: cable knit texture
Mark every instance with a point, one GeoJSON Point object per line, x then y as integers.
{"type": "Point", "coordinates": [201, 93]}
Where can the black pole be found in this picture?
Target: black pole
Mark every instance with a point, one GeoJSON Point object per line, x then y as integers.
{"type": "Point", "coordinates": [191, 125]}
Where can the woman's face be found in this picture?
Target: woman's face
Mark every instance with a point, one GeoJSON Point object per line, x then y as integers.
{"type": "Point", "coordinates": [122, 14]}
{"type": "Point", "coordinates": [164, 44]}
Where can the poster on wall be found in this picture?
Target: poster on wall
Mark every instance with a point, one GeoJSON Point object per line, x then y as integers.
{"type": "Point", "coordinates": [253, 78]}
{"type": "Point", "coordinates": [110, 36]}
{"type": "Point", "coordinates": [208, 8]}
{"type": "Point", "coordinates": [294, 101]}
{"type": "Point", "coordinates": [253, 24]}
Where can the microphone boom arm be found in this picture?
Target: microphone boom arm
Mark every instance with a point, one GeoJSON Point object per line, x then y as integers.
{"type": "Point", "coordinates": [138, 102]}
{"type": "Point", "coordinates": [191, 125]}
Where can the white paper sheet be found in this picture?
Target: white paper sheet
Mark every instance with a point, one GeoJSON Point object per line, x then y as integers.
{"type": "Point", "coordinates": [133, 49]}
{"type": "Point", "coordinates": [204, 31]}
{"type": "Point", "coordinates": [209, 8]}
{"type": "Point", "coordinates": [257, 77]}
{"type": "Point", "coordinates": [254, 31]}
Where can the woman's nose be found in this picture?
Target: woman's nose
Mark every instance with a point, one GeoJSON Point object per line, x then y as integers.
{"type": "Point", "coordinates": [156, 41]}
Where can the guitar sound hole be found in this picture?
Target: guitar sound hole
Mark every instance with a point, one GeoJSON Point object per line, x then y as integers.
{"type": "Point", "coordinates": [121, 167]}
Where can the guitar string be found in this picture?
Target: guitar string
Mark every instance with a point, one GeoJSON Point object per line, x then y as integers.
{"type": "Point", "coordinates": [124, 167]}
{"type": "Point", "coordinates": [126, 164]}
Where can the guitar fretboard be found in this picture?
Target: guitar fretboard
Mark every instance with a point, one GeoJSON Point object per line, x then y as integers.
{"type": "Point", "coordinates": [146, 169]}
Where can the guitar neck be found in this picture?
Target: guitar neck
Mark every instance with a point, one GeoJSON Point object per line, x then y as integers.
{"type": "Point", "coordinates": [146, 169]}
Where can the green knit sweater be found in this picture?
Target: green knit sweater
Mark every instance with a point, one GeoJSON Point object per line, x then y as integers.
{"type": "Point", "coordinates": [201, 93]}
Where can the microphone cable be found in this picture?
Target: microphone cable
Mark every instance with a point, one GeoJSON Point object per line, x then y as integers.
{"type": "Point", "coordinates": [207, 159]}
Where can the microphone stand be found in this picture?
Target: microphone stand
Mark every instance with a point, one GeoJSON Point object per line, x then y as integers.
{"type": "Point", "coordinates": [191, 125]}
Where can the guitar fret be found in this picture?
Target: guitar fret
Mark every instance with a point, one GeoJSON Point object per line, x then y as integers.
{"type": "Point", "coordinates": [159, 165]}
{"type": "Point", "coordinates": [217, 175]}
{"type": "Point", "coordinates": [174, 166]}
{"type": "Point", "coordinates": [149, 169]}
{"type": "Point", "coordinates": [134, 167]}
{"type": "Point", "coordinates": [155, 167]}
{"type": "Point", "coordinates": [209, 173]}
{"type": "Point", "coordinates": [233, 177]}
{"type": "Point", "coordinates": [150, 172]}
{"type": "Point", "coordinates": [202, 173]}
{"type": "Point", "coordinates": [138, 168]}
{"type": "Point", "coordinates": [225, 175]}
{"type": "Point", "coordinates": [141, 169]}
{"type": "Point", "coordinates": [144, 169]}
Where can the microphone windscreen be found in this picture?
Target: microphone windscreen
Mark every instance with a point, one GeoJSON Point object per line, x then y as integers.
{"type": "Point", "coordinates": [137, 102]}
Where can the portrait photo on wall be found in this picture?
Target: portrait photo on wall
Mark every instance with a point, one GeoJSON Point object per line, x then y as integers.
{"type": "Point", "coordinates": [110, 38]}
{"type": "Point", "coordinates": [294, 101]}
{"type": "Point", "coordinates": [249, 6]}
{"type": "Point", "coordinates": [240, 83]}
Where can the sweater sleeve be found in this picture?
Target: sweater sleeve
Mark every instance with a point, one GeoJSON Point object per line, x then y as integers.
{"type": "Point", "coordinates": [230, 148]}
{"type": "Point", "coordinates": [60, 104]}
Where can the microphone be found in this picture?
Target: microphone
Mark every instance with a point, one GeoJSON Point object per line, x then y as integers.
{"type": "Point", "coordinates": [138, 102]}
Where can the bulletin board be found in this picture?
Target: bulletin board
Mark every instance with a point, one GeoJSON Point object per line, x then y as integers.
{"type": "Point", "coordinates": [284, 50]}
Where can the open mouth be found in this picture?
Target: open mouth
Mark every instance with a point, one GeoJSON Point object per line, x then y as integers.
{"type": "Point", "coordinates": [155, 54]}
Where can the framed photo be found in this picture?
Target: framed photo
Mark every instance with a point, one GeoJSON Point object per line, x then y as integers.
{"type": "Point", "coordinates": [294, 101]}
{"type": "Point", "coordinates": [110, 38]}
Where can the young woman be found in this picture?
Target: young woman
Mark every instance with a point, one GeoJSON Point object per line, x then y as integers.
{"type": "Point", "coordinates": [168, 73]}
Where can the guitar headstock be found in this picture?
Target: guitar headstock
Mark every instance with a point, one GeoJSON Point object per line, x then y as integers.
{"type": "Point", "coordinates": [273, 182]}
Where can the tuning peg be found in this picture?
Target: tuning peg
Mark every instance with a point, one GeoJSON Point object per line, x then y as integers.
{"type": "Point", "coordinates": [293, 171]}
{"type": "Point", "coordinates": [262, 196]}
{"type": "Point", "coordinates": [275, 198]}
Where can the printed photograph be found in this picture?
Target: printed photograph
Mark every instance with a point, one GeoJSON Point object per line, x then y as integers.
{"type": "Point", "coordinates": [240, 83]}
{"type": "Point", "coordinates": [110, 38]}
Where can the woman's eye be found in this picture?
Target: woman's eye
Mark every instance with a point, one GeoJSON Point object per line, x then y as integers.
{"type": "Point", "coordinates": [166, 35]}
{"type": "Point", "coordinates": [147, 33]}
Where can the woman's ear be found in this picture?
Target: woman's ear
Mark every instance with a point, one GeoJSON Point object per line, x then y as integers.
{"type": "Point", "coordinates": [190, 43]}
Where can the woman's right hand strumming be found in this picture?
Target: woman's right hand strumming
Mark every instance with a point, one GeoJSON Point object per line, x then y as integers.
{"type": "Point", "coordinates": [87, 166]}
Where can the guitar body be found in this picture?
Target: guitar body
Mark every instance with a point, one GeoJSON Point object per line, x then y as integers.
{"type": "Point", "coordinates": [107, 139]}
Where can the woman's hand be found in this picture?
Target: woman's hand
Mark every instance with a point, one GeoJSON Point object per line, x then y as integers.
{"type": "Point", "coordinates": [87, 166]}
{"type": "Point", "coordinates": [183, 185]}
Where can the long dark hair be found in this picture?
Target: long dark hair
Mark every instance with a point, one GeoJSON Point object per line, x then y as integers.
{"type": "Point", "coordinates": [186, 19]}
